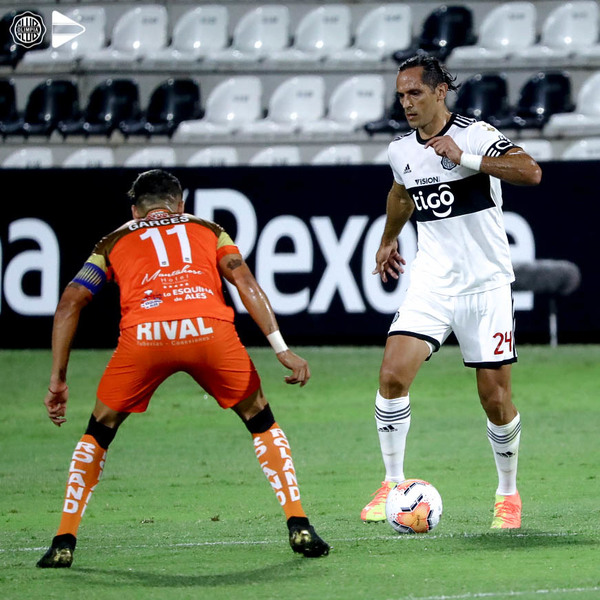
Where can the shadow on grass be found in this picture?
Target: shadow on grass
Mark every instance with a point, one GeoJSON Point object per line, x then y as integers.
{"type": "Point", "coordinates": [522, 539]}
{"type": "Point", "coordinates": [136, 577]}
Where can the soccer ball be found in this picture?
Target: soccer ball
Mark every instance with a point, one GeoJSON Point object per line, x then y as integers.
{"type": "Point", "coordinates": [413, 506]}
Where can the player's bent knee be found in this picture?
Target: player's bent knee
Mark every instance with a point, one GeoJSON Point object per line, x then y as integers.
{"type": "Point", "coordinates": [261, 421]}
{"type": "Point", "coordinates": [103, 434]}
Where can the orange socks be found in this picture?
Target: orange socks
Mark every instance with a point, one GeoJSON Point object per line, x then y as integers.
{"type": "Point", "coordinates": [274, 455]}
{"type": "Point", "coordinates": [84, 473]}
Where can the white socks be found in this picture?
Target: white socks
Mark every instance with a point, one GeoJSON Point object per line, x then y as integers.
{"type": "Point", "coordinates": [505, 444]}
{"type": "Point", "coordinates": [393, 422]}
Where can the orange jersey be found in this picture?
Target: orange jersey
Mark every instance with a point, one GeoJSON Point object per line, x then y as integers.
{"type": "Point", "coordinates": [166, 267]}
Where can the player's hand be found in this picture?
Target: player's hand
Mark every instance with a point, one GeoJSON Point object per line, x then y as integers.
{"type": "Point", "coordinates": [445, 146]}
{"type": "Point", "coordinates": [296, 364]}
{"type": "Point", "coordinates": [56, 403]}
{"type": "Point", "coordinates": [389, 262]}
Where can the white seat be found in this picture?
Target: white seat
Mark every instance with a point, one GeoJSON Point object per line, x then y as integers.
{"type": "Point", "coordinates": [33, 157]}
{"type": "Point", "coordinates": [159, 156]}
{"type": "Point", "coordinates": [506, 29]}
{"type": "Point", "coordinates": [322, 31]}
{"type": "Point", "coordinates": [259, 32]}
{"type": "Point", "coordinates": [353, 103]}
{"type": "Point", "coordinates": [585, 119]}
{"type": "Point", "coordinates": [137, 32]}
{"type": "Point", "coordinates": [277, 156]}
{"type": "Point", "coordinates": [233, 103]}
{"type": "Point", "coordinates": [196, 34]}
{"type": "Point", "coordinates": [538, 149]}
{"type": "Point", "coordinates": [569, 27]}
{"type": "Point", "coordinates": [90, 157]}
{"type": "Point", "coordinates": [295, 101]}
{"type": "Point", "coordinates": [381, 32]}
{"type": "Point", "coordinates": [584, 149]}
{"type": "Point", "coordinates": [381, 158]}
{"type": "Point", "coordinates": [93, 18]}
{"type": "Point", "coordinates": [340, 154]}
{"type": "Point", "coordinates": [214, 156]}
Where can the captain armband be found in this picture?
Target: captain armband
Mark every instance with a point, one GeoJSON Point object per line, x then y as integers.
{"type": "Point", "coordinates": [91, 276]}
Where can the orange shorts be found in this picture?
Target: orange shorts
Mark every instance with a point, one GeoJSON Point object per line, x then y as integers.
{"type": "Point", "coordinates": [208, 349]}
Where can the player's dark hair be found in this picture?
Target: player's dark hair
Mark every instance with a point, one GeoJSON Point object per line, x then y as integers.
{"type": "Point", "coordinates": [434, 72]}
{"type": "Point", "coordinates": [153, 187]}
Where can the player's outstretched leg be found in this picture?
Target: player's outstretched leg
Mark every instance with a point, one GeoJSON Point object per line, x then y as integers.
{"type": "Point", "coordinates": [85, 471]}
{"type": "Point", "coordinates": [274, 455]}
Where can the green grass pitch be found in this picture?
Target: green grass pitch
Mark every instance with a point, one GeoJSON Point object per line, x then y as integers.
{"type": "Point", "coordinates": [183, 510]}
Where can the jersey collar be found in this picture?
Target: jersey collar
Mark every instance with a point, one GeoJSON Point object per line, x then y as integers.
{"type": "Point", "coordinates": [442, 132]}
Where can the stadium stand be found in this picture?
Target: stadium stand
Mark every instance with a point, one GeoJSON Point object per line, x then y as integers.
{"type": "Point", "coordinates": [585, 149]}
{"type": "Point", "coordinates": [49, 102]}
{"type": "Point", "coordinates": [276, 155]}
{"type": "Point", "coordinates": [339, 154]}
{"type": "Point", "coordinates": [159, 156]}
{"type": "Point", "coordinates": [90, 157]}
{"type": "Point", "coordinates": [173, 101]}
{"type": "Point", "coordinates": [214, 156]}
{"type": "Point", "coordinates": [235, 102]}
{"type": "Point", "coordinates": [31, 157]}
{"type": "Point", "coordinates": [393, 121]}
{"type": "Point", "coordinates": [111, 102]}
{"type": "Point", "coordinates": [9, 114]}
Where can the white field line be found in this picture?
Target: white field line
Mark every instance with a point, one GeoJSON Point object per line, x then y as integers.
{"type": "Point", "coordinates": [392, 537]}
{"type": "Point", "coordinates": [506, 594]}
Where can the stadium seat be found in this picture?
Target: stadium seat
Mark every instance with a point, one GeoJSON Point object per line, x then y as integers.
{"type": "Point", "coordinates": [110, 102]}
{"type": "Point", "coordinates": [506, 29]}
{"type": "Point", "coordinates": [32, 157]}
{"type": "Point", "coordinates": [93, 18]}
{"type": "Point", "coordinates": [585, 119]}
{"type": "Point", "coordinates": [277, 156]}
{"type": "Point", "coordinates": [339, 154]}
{"type": "Point", "coordinates": [262, 30]}
{"type": "Point", "coordinates": [159, 156]}
{"type": "Point", "coordinates": [47, 104]}
{"type": "Point", "coordinates": [322, 31]}
{"type": "Point", "coordinates": [381, 158]}
{"type": "Point", "coordinates": [584, 149]}
{"type": "Point", "coordinates": [90, 157]}
{"type": "Point", "coordinates": [382, 31]}
{"type": "Point", "coordinates": [233, 103]}
{"type": "Point", "coordinates": [296, 101]}
{"type": "Point", "coordinates": [353, 103]}
{"type": "Point", "coordinates": [446, 28]}
{"type": "Point", "coordinates": [570, 26]}
{"type": "Point", "coordinates": [171, 102]}
{"type": "Point", "coordinates": [137, 32]}
{"type": "Point", "coordinates": [393, 122]}
{"type": "Point", "coordinates": [484, 97]}
{"type": "Point", "coordinates": [9, 113]}
{"type": "Point", "coordinates": [538, 149]}
{"type": "Point", "coordinates": [214, 156]}
{"type": "Point", "coordinates": [542, 96]}
{"type": "Point", "coordinates": [198, 32]}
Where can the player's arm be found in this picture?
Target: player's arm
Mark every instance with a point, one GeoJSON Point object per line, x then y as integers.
{"type": "Point", "coordinates": [515, 166]}
{"type": "Point", "coordinates": [66, 319]}
{"type": "Point", "coordinates": [399, 209]}
{"type": "Point", "coordinates": [236, 271]}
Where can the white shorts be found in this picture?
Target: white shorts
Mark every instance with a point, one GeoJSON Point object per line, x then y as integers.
{"type": "Point", "coordinates": [483, 324]}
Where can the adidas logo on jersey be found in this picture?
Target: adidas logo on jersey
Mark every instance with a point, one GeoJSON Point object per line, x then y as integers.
{"type": "Point", "coordinates": [407, 169]}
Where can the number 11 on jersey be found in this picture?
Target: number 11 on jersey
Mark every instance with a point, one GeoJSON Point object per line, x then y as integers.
{"type": "Point", "coordinates": [155, 236]}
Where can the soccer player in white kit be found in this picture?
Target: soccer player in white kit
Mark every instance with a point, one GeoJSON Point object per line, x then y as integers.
{"type": "Point", "coordinates": [447, 173]}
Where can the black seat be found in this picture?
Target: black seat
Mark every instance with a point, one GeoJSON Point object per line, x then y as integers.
{"type": "Point", "coordinates": [48, 103]}
{"type": "Point", "coordinates": [173, 101]}
{"type": "Point", "coordinates": [484, 97]}
{"type": "Point", "coordinates": [446, 28]}
{"type": "Point", "coordinates": [541, 96]}
{"type": "Point", "coordinates": [110, 102]}
{"type": "Point", "coordinates": [9, 113]}
{"type": "Point", "coordinates": [394, 120]}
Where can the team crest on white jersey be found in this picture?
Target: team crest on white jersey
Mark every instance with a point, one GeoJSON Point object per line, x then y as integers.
{"type": "Point", "coordinates": [448, 164]}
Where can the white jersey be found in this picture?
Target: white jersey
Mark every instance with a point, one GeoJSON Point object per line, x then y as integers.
{"type": "Point", "coordinates": [462, 244]}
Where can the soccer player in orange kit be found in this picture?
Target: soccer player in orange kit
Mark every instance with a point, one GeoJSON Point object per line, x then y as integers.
{"type": "Point", "coordinates": [168, 265]}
